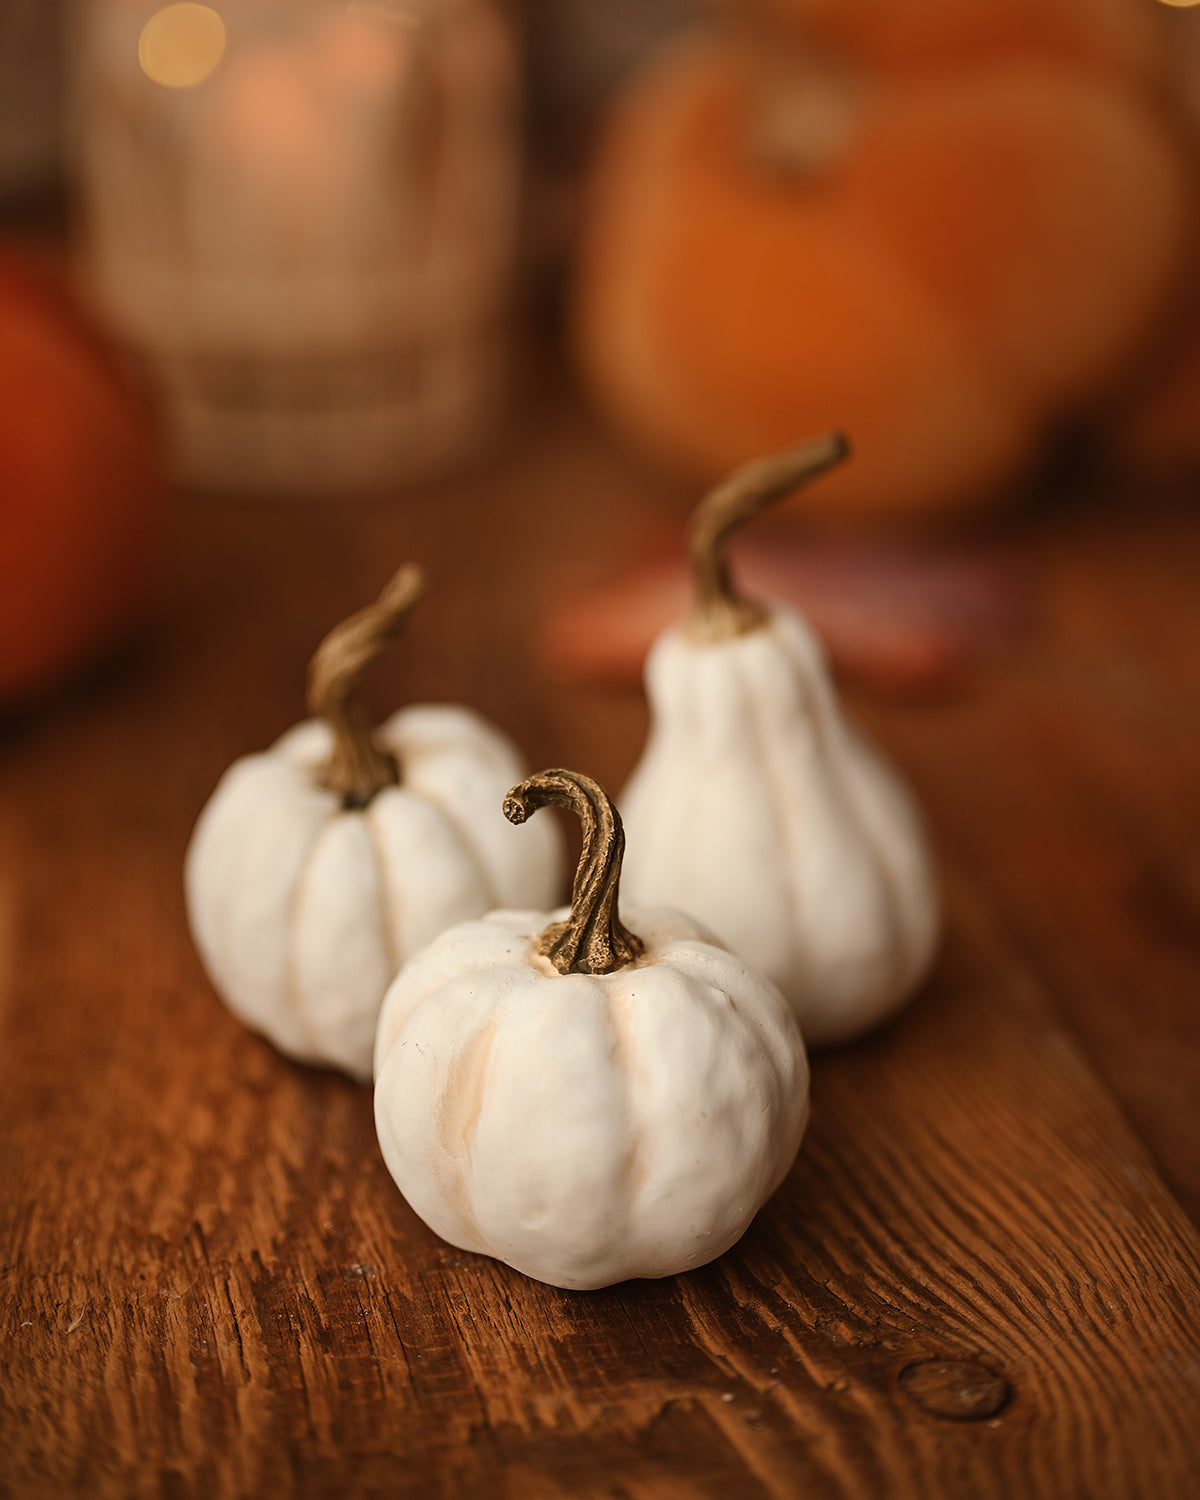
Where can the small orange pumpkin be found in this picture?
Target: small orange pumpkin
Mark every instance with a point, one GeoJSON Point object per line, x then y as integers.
{"type": "Point", "coordinates": [983, 249]}
{"type": "Point", "coordinates": [80, 486]}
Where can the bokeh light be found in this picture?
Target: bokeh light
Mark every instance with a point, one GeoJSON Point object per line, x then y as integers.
{"type": "Point", "coordinates": [181, 45]}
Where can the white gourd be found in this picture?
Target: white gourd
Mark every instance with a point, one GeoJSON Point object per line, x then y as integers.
{"type": "Point", "coordinates": [810, 860]}
{"type": "Point", "coordinates": [582, 1103]}
{"type": "Point", "coordinates": [318, 866]}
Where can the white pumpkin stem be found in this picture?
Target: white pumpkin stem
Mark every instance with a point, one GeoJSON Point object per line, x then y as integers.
{"type": "Point", "coordinates": [358, 767]}
{"type": "Point", "coordinates": [721, 612]}
{"type": "Point", "coordinates": [593, 939]}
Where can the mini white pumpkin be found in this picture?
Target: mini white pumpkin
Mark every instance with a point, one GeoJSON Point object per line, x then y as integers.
{"type": "Point", "coordinates": [319, 865]}
{"type": "Point", "coordinates": [810, 860]}
{"type": "Point", "coordinates": [582, 1103]}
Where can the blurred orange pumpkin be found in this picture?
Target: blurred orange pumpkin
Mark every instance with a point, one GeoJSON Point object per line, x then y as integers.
{"type": "Point", "coordinates": [80, 485]}
{"type": "Point", "coordinates": [1156, 432]}
{"type": "Point", "coordinates": [1116, 36]}
{"type": "Point", "coordinates": [979, 248]}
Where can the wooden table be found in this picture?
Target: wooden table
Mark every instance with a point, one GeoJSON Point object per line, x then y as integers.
{"type": "Point", "coordinates": [981, 1278]}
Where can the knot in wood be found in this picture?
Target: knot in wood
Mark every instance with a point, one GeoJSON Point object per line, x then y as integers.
{"type": "Point", "coordinates": [955, 1390]}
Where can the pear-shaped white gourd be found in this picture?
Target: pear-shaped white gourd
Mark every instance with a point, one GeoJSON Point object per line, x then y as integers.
{"type": "Point", "coordinates": [583, 1103]}
{"type": "Point", "coordinates": [810, 859]}
{"type": "Point", "coordinates": [318, 866]}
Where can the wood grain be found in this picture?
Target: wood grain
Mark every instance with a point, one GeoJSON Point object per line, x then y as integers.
{"type": "Point", "coordinates": [1073, 786]}
{"type": "Point", "coordinates": [974, 1283]}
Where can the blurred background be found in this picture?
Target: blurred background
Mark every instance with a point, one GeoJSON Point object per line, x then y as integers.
{"type": "Point", "coordinates": [314, 251]}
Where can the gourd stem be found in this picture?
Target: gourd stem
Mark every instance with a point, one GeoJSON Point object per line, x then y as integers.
{"type": "Point", "coordinates": [592, 939]}
{"type": "Point", "coordinates": [720, 611]}
{"type": "Point", "coordinates": [358, 767]}
{"type": "Point", "coordinates": [807, 109]}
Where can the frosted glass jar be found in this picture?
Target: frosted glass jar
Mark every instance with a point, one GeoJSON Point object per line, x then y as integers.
{"type": "Point", "coordinates": [302, 213]}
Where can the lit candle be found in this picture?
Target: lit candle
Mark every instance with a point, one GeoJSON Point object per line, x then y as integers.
{"type": "Point", "coordinates": [311, 204]}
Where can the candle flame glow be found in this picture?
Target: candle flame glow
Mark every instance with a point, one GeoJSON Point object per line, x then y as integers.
{"type": "Point", "coordinates": [181, 45]}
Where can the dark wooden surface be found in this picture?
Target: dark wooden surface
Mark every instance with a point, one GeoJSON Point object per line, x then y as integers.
{"type": "Point", "coordinates": [982, 1277]}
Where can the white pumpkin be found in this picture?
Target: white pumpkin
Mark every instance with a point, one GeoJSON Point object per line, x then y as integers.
{"type": "Point", "coordinates": [585, 1104]}
{"type": "Point", "coordinates": [318, 866]}
{"type": "Point", "coordinates": [810, 860]}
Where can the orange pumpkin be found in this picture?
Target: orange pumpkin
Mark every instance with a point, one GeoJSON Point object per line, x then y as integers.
{"type": "Point", "coordinates": [1113, 35]}
{"type": "Point", "coordinates": [80, 488]}
{"type": "Point", "coordinates": [1157, 432]}
{"type": "Point", "coordinates": [980, 255]}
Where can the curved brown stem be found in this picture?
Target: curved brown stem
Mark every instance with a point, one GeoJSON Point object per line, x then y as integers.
{"type": "Point", "coordinates": [593, 939]}
{"type": "Point", "coordinates": [358, 767]}
{"type": "Point", "coordinates": [720, 611]}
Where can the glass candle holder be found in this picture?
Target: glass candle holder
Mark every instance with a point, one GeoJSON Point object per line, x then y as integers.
{"type": "Point", "coordinates": [302, 213]}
